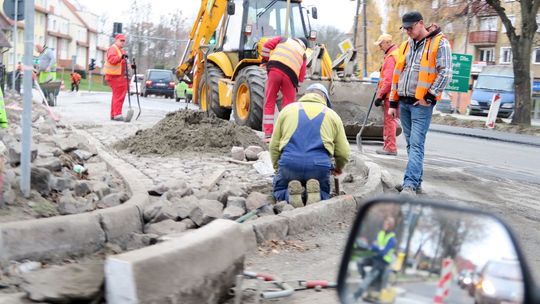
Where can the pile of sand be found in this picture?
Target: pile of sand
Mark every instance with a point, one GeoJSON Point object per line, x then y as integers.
{"type": "Point", "coordinates": [188, 130]}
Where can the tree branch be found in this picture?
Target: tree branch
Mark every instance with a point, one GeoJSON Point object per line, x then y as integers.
{"type": "Point", "coordinates": [510, 29]}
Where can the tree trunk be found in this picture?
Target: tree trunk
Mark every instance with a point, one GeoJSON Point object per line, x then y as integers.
{"type": "Point", "coordinates": [522, 81]}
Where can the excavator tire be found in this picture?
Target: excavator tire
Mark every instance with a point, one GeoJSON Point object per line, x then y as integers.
{"type": "Point", "coordinates": [248, 97]}
{"type": "Point", "coordinates": [214, 74]}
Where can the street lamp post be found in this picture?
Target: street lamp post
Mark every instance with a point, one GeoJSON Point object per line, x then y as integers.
{"type": "Point", "coordinates": [364, 21]}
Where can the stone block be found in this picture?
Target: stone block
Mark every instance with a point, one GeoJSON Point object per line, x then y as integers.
{"type": "Point", "coordinates": [270, 228]}
{"type": "Point", "coordinates": [252, 152]}
{"type": "Point", "coordinates": [49, 163]}
{"type": "Point", "coordinates": [166, 227]}
{"type": "Point", "coordinates": [236, 201]}
{"type": "Point", "coordinates": [256, 200]}
{"type": "Point", "coordinates": [233, 212]}
{"type": "Point", "coordinates": [237, 153]}
{"type": "Point", "coordinates": [39, 180]}
{"type": "Point", "coordinates": [206, 211]}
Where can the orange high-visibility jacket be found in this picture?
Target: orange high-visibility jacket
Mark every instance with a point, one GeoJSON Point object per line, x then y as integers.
{"type": "Point", "coordinates": [115, 67]}
{"type": "Point", "coordinates": [387, 73]}
{"type": "Point", "coordinates": [427, 73]}
{"type": "Point", "coordinates": [289, 53]}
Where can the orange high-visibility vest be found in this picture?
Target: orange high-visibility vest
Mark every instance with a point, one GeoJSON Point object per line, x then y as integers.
{"type": "Point", "coordinates": [290, 53]}
{"type": "Point", "coordinates": [394, 54]}
{"type": "Point", "coordinates": [427, 74]}
{"type": "Point", "coordinates": [113, 69]}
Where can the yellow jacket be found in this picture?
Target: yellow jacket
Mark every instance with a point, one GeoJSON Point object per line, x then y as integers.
{"type": "Point", "coordinates": [332, 130]}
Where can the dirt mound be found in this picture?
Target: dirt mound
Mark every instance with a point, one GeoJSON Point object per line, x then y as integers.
{"type": "Point", "coordinates": [189, 131]}
{"type": "Point", "coordinates": [500, 125]}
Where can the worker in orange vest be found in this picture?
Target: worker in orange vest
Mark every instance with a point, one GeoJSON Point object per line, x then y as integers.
{"type": "Point", "coordinates": [115, 74]}
{"type": "Point", "coordinates": [286, 69]}
{"type": "Point", "coordinates": [75, 81]}
{"type": "Point", "coordinates": [383, 93]}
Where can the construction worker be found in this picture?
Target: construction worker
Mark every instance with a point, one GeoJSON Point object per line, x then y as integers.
{"type": "Point", "coordinates": [18, 77]}
{"type": "Point", "coordinates": [286, 65]}
{"type": "Point", "coordinates": [46, 64]}
{"type": "Point", "coordinates": [423, 69]}
{"type": "Point", "coordinates": [383, 247]}
{"type": "Point", "coordinates": [3, 114]}
{"type": "Point", "coordinates": [115, 74]}
{"type": "Point", "coordinates": [383, 93]}
{"type": "Point", "coordinates": [308, 133]}
{"type": "Point", "coordinates": [75, 81]}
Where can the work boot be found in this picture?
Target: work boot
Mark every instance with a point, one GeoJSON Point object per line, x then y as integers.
{"type": "Point", "coordinates": [118, 118]}
{"type": "Point", "coordinates": [129, 115]}
{"type": "Point", "coordinates": [313, 190]}
{"type": "Point", "coordinates": [408, 191]}
{"type": "Point", "coordinates": [384, 152]}
{"type": "Point", "coordinates": [419, 190]}
{"type": "Point", "coordinates": [295, 194]}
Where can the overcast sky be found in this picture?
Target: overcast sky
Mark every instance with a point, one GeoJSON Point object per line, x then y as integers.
{"type": "Point", "coordinates": [339, 13]}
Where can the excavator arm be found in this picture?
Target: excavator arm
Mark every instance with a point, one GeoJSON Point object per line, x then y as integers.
{"type": "Point", "coordinates": [208, 19]}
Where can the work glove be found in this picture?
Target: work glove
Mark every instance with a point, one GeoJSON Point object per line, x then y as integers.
{"type": "Point", "coordinates": [379, 102]}
{"type": "Point", "coordinates": [125, 56]}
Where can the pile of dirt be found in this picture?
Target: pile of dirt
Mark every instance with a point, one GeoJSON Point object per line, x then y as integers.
{"type": "Point", "coordinates": [188, 130]}
{"type": "Point", "coordinates": [500, 125]}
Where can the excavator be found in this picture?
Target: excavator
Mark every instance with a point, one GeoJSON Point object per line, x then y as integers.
{"type": "Point", "coordinates": [223, 63]}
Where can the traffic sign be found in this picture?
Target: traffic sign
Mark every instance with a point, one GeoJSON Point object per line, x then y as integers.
{"type": "Point", "coordinates": [9, 9]}
{"type": "Point", "coordinates": [461, 73]}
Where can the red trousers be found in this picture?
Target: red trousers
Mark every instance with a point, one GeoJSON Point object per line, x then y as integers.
{"type": "Point", "coordinates": [119, 88]}
{"type": "Point", "coordinates": [389, 131]}
{"type": "Point", "coordinates": [277, 81]}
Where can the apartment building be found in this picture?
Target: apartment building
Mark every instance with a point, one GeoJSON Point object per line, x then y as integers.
{"type": "Point", "coordinates": [60, 25]}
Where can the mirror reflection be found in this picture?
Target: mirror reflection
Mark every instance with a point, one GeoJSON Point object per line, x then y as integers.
{"type": "Point", "coordinates": [408, 253]}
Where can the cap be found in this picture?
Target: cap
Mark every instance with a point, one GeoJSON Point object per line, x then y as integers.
{"type": "Point", "coordinates": [322, 88]}
{"type": "Point", "coordinates": [410, 18]}
{"type": "Point", "coordinates": [383, 37]}
{"type": "Point", "coordinates": [120, 37]}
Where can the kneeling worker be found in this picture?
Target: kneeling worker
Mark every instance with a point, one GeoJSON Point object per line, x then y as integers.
{"type": "Point", "coordinates": [307, 134]}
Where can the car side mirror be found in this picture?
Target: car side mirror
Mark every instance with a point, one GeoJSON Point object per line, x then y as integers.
{"type": "Point", "coordinates": [314, 12]}
{"type": "Point", "coordinates": [402, 249]}
{"type": "Point", "coordinates": [231, 8]}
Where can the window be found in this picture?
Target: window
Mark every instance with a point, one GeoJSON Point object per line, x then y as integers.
{"type": "Point", "coordinates": [488, 24]}
{"type": "Point", "coordinates": [512, 20]}
{"type": "Point", "coordinates": [506, 55]}
{"type": "Point", "coordinates": [54, 26]}
{"type": "Point", "coordinates": [536, 56]}
{"type": "Point", "coordinates": [486, 55]}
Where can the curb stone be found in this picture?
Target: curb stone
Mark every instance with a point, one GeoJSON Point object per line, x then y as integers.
{"type": "Point", "coordinates": [65, 236]}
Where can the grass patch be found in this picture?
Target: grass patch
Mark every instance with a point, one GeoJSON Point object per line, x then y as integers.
{"type": "Point", "coordinates": [97, 83]}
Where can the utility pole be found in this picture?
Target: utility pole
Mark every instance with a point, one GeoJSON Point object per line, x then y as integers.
{"type": "Point", "coordinates": [468, 29]}
{"type": "Point", "coordinates": [27, 99]}
{"type": "Point", "coordinates": [364, 16]}
{"type": "Point", "coordinates": [15, 34]}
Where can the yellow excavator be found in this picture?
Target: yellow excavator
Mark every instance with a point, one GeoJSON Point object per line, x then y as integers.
{"type": "Point", "coordinates": [223, 61]}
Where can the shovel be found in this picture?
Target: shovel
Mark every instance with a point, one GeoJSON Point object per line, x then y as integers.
{"type": "Point", "coordinates": [359, 135]}
{"type": "Point", "coordinates": [129, 114]}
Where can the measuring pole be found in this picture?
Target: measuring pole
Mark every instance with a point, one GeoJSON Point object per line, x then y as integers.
{"type": "Point", "coordinates": [27, 99]}
{"type": "Point", "coordinates": [14, 44]}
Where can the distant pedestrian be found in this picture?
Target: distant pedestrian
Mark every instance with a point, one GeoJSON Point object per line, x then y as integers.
{"type": "Point", "coordinates": [286, 69]}
{"type": "Point", "coordinates": [46, 64]}
{"type": "Point", "coordinates": [18, 77]}
{"type": "Point", "coordinates": [115, 74]}
{"type": "Point", "coordinates": [423, 69]}
{"type": "Point", "coordinates": [383, 93]}
{"type": "Point", "coordinates": [75, 81]}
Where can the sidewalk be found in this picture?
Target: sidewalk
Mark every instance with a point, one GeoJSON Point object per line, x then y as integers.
{"type": "Point", "coordinates": [488, 134]}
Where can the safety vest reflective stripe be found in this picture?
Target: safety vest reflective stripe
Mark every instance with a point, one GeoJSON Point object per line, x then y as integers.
{"type": "Point", "coordinates": [394, 54]}
{"type": "Point", "coordinates": [427, 72]}
{"type": "Point", "coordinates": [268, 119]}
{"type": "Point", "coordinates": [266, 52]}
{"type": "Point", "coordinates": [291, 54]}
{"type": "Point", "coordinates": [113, 69]}
{"type": "Point", "coordinates": [3, 114]}
{"type": "Point", "coordinates": [382, 240]}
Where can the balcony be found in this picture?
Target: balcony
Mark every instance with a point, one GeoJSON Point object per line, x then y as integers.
{"type": "Point", "coordinates": [483, 37]}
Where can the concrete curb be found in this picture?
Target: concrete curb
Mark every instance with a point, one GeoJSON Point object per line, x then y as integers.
{"type": "Point", "coordinates": [197, 267]}
{"type": "Point", "coordinates": [488, 134]}
{"type": "Point", "coordinates": [276, 227]}
{"type": "Point", "coordinates": [64, 236]}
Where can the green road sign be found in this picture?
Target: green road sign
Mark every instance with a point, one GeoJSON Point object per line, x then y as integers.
{"type": "Point", "coordinates": [461, 73]}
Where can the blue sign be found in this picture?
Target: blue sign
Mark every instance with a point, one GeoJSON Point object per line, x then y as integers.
{"type": "Point", "coordinates": [536, 86]}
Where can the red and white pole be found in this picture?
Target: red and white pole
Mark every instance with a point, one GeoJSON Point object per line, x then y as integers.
{"type": "Point", "coordinates": [444, 282]}
{"type": "Point", "coordinates": [493, 111]}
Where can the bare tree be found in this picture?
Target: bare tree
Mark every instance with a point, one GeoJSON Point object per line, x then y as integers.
{"type": "Point", "coordinates": [521, 41]}
{"type": "Point", "coordinates": [330, 36]}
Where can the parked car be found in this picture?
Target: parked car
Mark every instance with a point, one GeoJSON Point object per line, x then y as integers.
{"type": "Point", "coordinates": [132, 89]}
{"type": "Point", "coordinates": [159, 82]}
{"type": "Point", "coordinates": [445, 104]}
{"type": "Point", "coordinates": [500, 282]}
{"type": "Point", "coordinates": [184, 91]}
{"type": "Point", "coordinates": [493, 79]}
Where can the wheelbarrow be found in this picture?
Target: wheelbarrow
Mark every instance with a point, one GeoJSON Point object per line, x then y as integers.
{"type": "Point", "coordinates": [50, 91]}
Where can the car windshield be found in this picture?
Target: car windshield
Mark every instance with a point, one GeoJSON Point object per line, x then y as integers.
{"type": "Point", "coordinates": [504, 270]}
{"type": "Point", "coordinates": [160, 75]}
{"type": "Point", "coordinates": [495, 83]}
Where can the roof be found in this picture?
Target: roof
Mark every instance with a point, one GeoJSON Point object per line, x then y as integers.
{"type": "Point", "coordinates": [73, 9]}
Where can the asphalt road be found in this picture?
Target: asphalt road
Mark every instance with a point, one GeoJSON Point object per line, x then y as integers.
{"type": "Point", "coordinates": [498, 177]}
